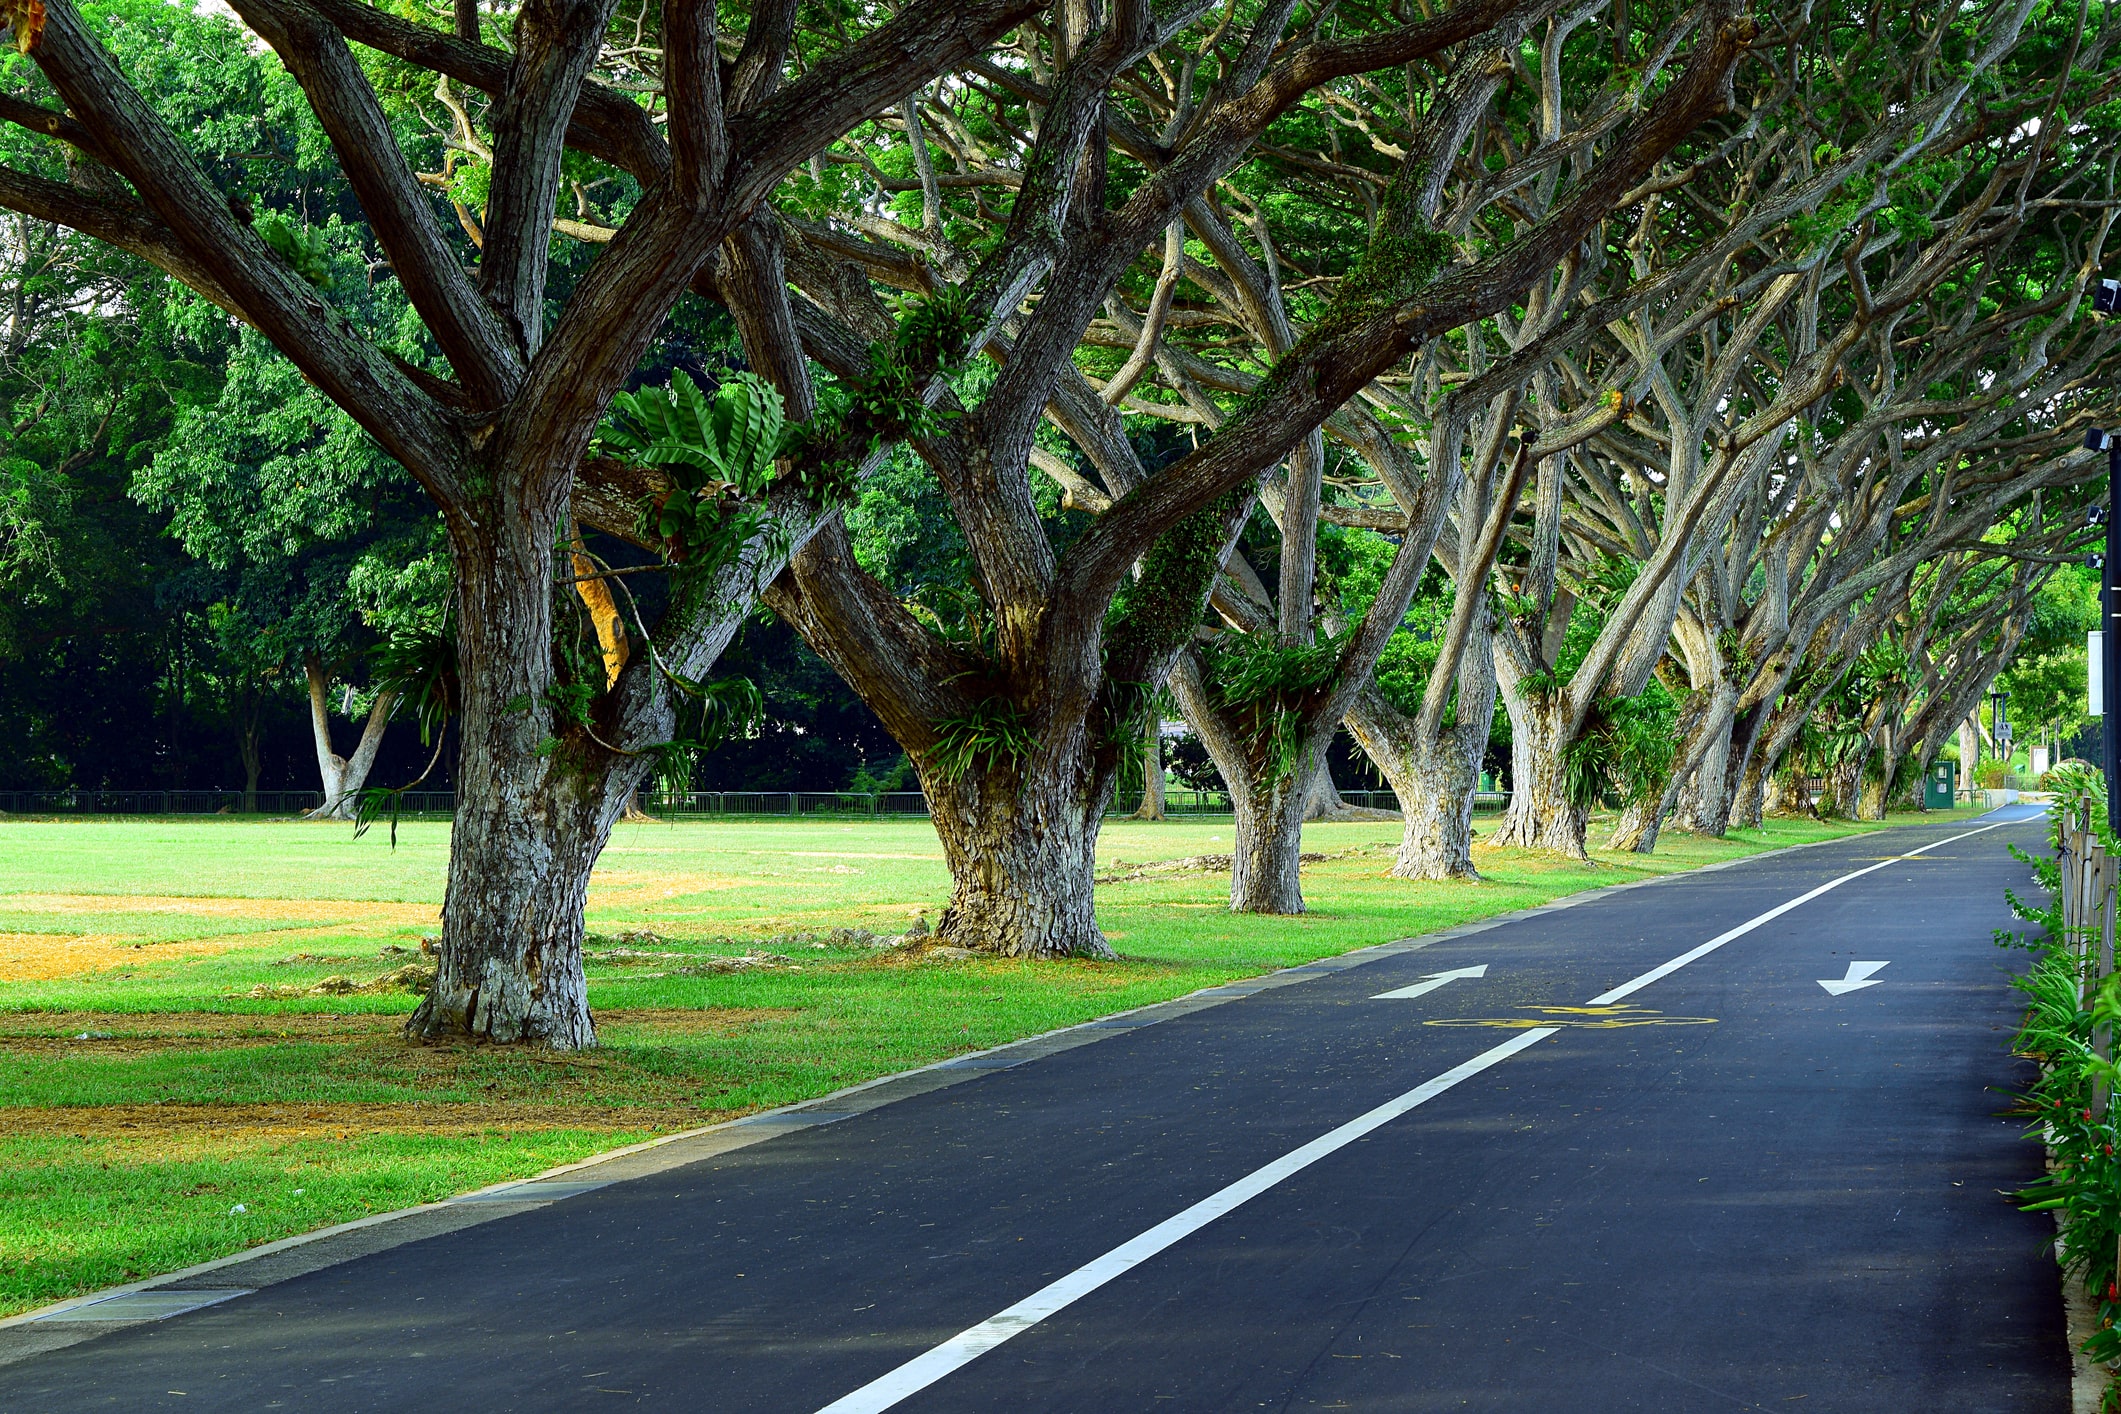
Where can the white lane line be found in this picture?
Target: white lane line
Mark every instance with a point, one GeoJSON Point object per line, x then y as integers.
{"type": "Point", "coordinates": [968, 1345]}
{"type": "Point", "coordinates": [1634, 985]}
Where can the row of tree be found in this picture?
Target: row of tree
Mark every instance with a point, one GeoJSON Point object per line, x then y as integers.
{"type": "Point", "coordinates": [1687, 380]}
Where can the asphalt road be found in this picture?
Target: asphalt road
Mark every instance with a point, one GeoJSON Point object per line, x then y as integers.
{"type": "Point", "coordinates": [1729, 1189]}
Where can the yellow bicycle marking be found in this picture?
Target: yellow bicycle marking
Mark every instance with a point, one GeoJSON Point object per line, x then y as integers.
{"type": "Point", "coordinates": [1590, 1018]}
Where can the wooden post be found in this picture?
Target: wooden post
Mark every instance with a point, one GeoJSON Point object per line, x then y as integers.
{"type": "Point", "coordinates": [2067, 884]}
{"type": "Point", "coordinates": [2100, 966]}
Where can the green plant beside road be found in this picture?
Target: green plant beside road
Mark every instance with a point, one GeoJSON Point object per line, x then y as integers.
{"type": "Point", "coordinates": [2083, 1185]}
{"type": "Point", "coordinates": [199, 1044]}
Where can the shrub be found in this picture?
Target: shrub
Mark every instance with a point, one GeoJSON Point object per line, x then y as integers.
{"type": "Point", "coordinates": [1995, 775]}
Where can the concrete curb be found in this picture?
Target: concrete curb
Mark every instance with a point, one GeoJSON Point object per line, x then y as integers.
{"type": "Point", "coordinates": [73, 1320]}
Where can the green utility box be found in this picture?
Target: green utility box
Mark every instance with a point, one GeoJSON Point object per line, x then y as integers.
{"type": "Point", "coordinates": [1940, 785]}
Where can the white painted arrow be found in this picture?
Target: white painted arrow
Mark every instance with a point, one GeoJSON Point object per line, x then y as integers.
{"type": "Point", "coordinates": [1859, 977]}
{"type": "Point", "coordinates": [1435, 980]}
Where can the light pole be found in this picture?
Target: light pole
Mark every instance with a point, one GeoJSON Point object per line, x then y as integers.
{"type": "Point", "coordinates": [1999, 724]}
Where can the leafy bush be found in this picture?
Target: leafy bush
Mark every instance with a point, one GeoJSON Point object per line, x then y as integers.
{"type": "Point", "coordinates": [719, 453]}
{"type": "Point", "coordinates": [993, 736]}
{"type": "Point", "coordinates": [1264, 685]}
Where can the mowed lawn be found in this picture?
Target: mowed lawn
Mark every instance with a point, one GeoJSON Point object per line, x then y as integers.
{"type": "Point", "coordinates": [200, 1043]}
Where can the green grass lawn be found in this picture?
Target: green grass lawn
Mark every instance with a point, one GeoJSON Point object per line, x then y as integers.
{"type": "Point", "coordinates": [164, 1059]}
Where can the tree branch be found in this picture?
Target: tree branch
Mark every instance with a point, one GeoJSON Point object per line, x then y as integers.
{"type": "Point", "coordinates": [481, 349]}
{"type": "Point", "coordinates": [283, 306]}
{"type": "Point", "coordinates": [556, 41]}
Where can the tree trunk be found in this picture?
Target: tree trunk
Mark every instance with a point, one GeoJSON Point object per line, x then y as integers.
{"type": "Point", "coordinates": [1021, 842]}
{"type": "Point", "coordinates": [1152, 806]}
{"type": "Point", "coordinates": [1704, 740]}
{"type": "Point", "coordinates": [1705, 803]}
{"type": "Point", "coordinates": [1755, 788]}
{"type": "Point", "coordinates": [1875, 792]}
{"type": "Point", "coordinates": [248, 744]}
{"type": "Point", "coordinates": [534, 808]}
{"type": "Point", "coordinates": [1434, 781]}
{"type": "Point", "coordinates": [1541, 815]}
{"type": "Point", "coordinates": [1788, 795]}
{"type": "Point", "coordinates": [1268, 804]}
{"type": "Point", "coordinates": [354, 773]}
{"type": "Point", "coordinates": [1266, 870]}
{"type": "Point", "coordinates": [343, 777]}
{"type": "Point", "coordinates": [1750, 801]}
{"type": "Point", "coordinates": [1844, 779]}
{"type": "Point", "coordinates": [1639, 825]}
{"type": "Point", "coordinates": [1742, 787]}
{"type": "Point", "coordinates": [331, 767]}
{"type": "Point", "coordinates": [1321, 797]}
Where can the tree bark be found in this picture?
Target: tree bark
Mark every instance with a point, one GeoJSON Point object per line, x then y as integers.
{"type": "Point", "coordinates": [1541, 815]}
{"type": "Point", "coordinates": [364, 757]}
{"type": "Point", "coordinates": [343, 776]}
{"type": "Point", "coordinates": [1152, 806]}
{"type": "Point", "coordinates": [1269, 803]}
{"type": "Point", "coordinates": [1321, 796]}
{"type": "Point", "coordinates": [1738, 776]}
{"type": "Point", "coordinates": [1704, 739]}
{"type": "Point", "coordinates": [533, 810]}
{"type": "Point", "coordinates": [1434, 780]}
{"type": "Point", "coordinates": [331, 767]}
{"type": "Point", "coordinates": [248, 742]}
{"type": "Point", "coordinates": [1877, 788]}
{"type": "Point", "coordinates": [1789, 797]}
{"type": "Point", "coordinates": [1705, 802]}
{"type": "Point", "coordinates": [1021, 844]}
{"type": "Point", "coordinates": [1844, 779]}
{"type": "Point", "coordinates": [1266, 867]}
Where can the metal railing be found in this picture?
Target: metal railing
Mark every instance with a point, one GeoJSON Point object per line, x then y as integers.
{"type": "Point", "coordinates": [196, 802]}
{"type": "Point", "coordinates": [689, 805]}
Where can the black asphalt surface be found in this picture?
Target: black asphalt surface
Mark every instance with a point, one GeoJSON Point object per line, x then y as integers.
{"type": "Point", "coordinates": [1790, 1204]}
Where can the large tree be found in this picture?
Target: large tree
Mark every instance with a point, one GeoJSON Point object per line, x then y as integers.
{"type": "Point", "coordinates": [1020, 719]}
{"type": "Point", "coordinates": [496, 418]}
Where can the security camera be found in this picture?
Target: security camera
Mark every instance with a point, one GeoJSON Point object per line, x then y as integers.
{"type": "Point", "coordinates": [2098, 440]}
{"type": "Point", "coordinates": [2106, 296]}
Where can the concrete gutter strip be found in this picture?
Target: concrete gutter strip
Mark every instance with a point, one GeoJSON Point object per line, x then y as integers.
{"type": "Point", "coordinates": [114, 1308]}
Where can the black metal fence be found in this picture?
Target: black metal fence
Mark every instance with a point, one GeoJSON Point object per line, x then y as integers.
{"type": "Point", "coordinates": [693, 805]}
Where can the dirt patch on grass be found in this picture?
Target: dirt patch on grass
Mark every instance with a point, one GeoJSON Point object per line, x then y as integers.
{"type": "Point", "coordinates": [306, 1121]}
{"type": "Point", "coordinates": [322, 910]}
{"type": "Point", "coordinates": [46, 957]}
{"type": "Point", "coordinates": [82, 1033]}
{"type": "Point", "coordinates": [693, 1021]}
{"type": "Point", "coordinates": [165, 1025]}
{"type": "Point", "coordinates": [619, 887]}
